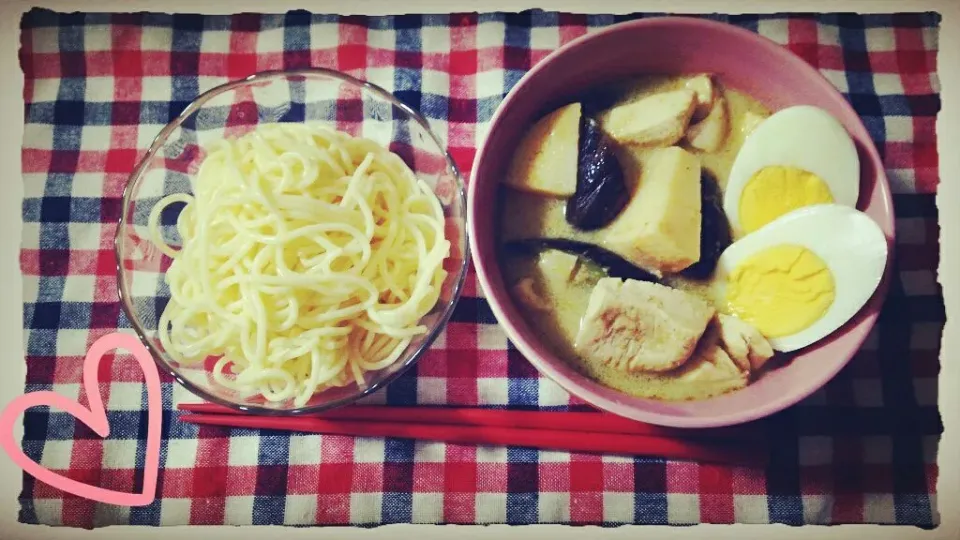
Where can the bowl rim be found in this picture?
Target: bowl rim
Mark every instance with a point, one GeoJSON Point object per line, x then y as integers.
{"type": "Point", "coordinates": [156, 144]}
{"type": "Point", "coordinates": [545, 363]}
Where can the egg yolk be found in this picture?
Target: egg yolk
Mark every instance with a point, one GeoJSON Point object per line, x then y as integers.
{"type": "Point", "coordinates": [773, 191]}
{"type": "Point", "coordinates": [780, 290]}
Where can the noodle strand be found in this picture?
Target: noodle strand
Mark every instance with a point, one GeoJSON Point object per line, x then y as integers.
{"type": "Point", "coordinates": [308, 258]}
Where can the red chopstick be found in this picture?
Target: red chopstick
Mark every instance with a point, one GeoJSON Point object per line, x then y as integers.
{"type": "Point", "coordinates": [593, 422]}
{"type": "Point", "coordinates": [546, 439]}
{"type": "Point", "coordinates": [568, 431]}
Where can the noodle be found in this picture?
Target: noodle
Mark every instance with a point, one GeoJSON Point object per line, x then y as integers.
{"type": "Point", "coordinates": [308, 258]}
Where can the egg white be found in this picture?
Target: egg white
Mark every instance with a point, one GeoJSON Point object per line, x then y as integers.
{"type": "Point", "coordinates": [801, 136]}
{"type": "Point", "coordinates": [849, 242]}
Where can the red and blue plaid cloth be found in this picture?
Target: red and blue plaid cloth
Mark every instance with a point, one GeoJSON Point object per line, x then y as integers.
{"type": "Point", "coordinates": [98, 88]}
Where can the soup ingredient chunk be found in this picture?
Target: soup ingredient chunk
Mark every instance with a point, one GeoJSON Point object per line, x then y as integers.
{"type": "Point", "coordinates": [660, 227]}
{"type": "Point", "coordinates": [714, 228]}
{"type": "Point", "coordinates": [706, 93]}
{"type": "Point", "coordinates": [641, 326]}
{"type": "Point", "coordinates": [601, 192]}
{"type": "Point", "coordinates": [800, 156]}
{"type": "Point", "coordinates": [804, 275]}
{"type": "Point", "coordinates": [598, 99]}
{"type": "Point", "coordinates": [546, 160]}
{"type": "Point", "coordinates": [782, 289]}
{"type": "Point", "coordinates": [526, 291]}
{"type": "Point", "coordinates": [558, 268]}
{"type": "Point", "coordinates": [657, 120]}
{"type": "Point", "coordinates": [711, 369]}
{"type": "Point", "coordinates": [611, 263]}
{"type": "Point", "coordinates": [776, 190]}
{"type": "Point", "coordinates": [710, 134]}
{"type": "Point", "coordinates": [557, 272]}
{"type": "Point", "coordinates": [743, 342]}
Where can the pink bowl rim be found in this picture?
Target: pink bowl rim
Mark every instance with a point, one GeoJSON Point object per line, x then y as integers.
{"type": "Point", "coordinates": [868, 314]}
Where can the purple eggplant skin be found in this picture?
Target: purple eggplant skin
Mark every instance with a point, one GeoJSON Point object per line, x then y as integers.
{"type": "Point", "coordinates": [600, 99]}
{"type": "Point", "coordinates": [601, 192]}
{"type": "Point", "coordinates": [614, 265]}
{"type": "Point", "coordinates": [714, 228]}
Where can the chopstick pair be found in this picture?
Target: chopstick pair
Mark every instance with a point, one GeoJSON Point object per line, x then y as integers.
{"type": "Point", "coordinates": [588, 432]}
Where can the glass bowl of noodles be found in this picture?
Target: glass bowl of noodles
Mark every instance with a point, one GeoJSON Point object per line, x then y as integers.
{"type": "Point", "coordinates": [292, 242]}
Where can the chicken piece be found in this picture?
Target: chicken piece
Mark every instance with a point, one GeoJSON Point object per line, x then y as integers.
{"type": "Point", "coordinates": [710, 133]}
{"type": "Point", "coordinates": [659, 229]}
{"type": "Point", "coordinates": [545, 163]}
{"type": "Point", "coordinates": [525, 291]}
{"type": "Point", "coordinates": [657, 120]}
{"type": "Point", "coordinates": [641, 326]}
{"type": "Point", "coordinates": [707, 93]}
{"type": "Point", "coordinates": [743, 342]}
{"type": "Point", "coordinates": [711, 368]}
{"type": "Point", "coordinates": [750, 122]}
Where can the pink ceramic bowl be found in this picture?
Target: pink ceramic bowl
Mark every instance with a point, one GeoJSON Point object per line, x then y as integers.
{"type": "Point", "coordinates": [742, 60]}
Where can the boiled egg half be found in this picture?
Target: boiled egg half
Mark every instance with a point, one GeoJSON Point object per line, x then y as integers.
{"type": "Point", "coordinates": [802, 276]}
{"type": "Point", "coordinates": [797, 157]}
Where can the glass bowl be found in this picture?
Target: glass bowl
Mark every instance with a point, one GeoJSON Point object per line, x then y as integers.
{"type": "Point", "coordinates": [329, 98]}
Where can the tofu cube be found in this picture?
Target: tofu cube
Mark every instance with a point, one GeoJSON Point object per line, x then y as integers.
{"type": "Point", "coordinates": [545, 162]}
{"type": "Point", "coordinates": [659, 229]}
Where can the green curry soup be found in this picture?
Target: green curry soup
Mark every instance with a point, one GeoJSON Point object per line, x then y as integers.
{"type": "Point", "coordinates": [530, 216]}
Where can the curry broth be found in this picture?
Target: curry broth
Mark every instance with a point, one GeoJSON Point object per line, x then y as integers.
{"type": "Point", "coordinates": [525, 216]}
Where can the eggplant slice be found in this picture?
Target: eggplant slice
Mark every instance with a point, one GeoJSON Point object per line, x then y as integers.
{"type": "Point", "coordinates": [615, 265]}
{"type": "Point", "coordinates": [599, 99]}
{"type": "Point", "coordinates": [714, 228]}
{"type": "Point", "coordinates": [601, 192]}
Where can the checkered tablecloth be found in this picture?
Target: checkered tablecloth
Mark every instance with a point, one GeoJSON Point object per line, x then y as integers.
{"type": "Point", "coordinates": [98, 87]}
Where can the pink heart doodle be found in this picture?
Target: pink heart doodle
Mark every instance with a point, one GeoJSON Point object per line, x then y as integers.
{"type": "Point", "coordinates": [96, 419]}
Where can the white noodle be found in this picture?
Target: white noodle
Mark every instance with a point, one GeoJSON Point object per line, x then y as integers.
{"type": "Point", "coordinates": [308, 258]}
